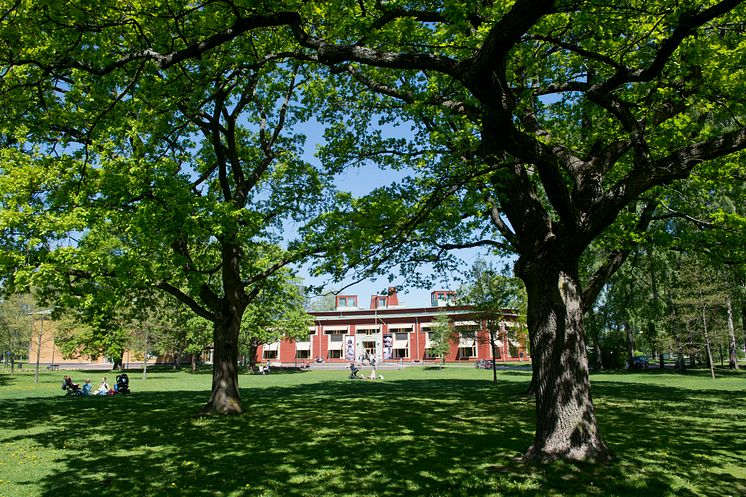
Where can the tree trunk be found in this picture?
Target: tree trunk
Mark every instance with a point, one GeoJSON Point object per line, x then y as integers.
{"type": "Point", "coordinates": [253, 347]}
{"type": "Point", "coordinates": [225, 398]}
{"type": "Point", "coordinates": [494, 360]}
{"type": "Point", "coordinates": [118, 362]}
{"type": "Point", "coordinates": [598, 364]}
{"type": "Point", "coordinates": [38, 352]}
{"type": "Point", "coordinates": [742, 300]}
{"type": "Point", "coordinates": [566, 425]}
{"type": "Point", "coordinates": [707, 343]}
{"type": "Point", "coordinates": [194, 363]}
{"type": "Point", "coordinates": [630, 345]}
{"type": "Point", "coordinates": [732, 355]}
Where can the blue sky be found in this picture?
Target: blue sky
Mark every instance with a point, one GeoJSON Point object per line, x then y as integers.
{"type": "Point", "coordinates": [361, 181]}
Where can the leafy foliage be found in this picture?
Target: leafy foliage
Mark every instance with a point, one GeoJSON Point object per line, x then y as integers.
{"type": "Point", "coordinates": [15, 325]}
{"type": "Point", "coordinates": [442, 335]}
{"type": "Point", "coordinates": [277, 313]}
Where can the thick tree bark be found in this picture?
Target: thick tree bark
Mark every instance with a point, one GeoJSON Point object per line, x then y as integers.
{"type": "Point", "coordinates": [566, 425]}
{"type": "Point", "coordinates": [225, 398]}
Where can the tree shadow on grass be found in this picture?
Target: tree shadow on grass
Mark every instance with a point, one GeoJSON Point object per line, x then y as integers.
{"type": "Point", "coordinates": [406, 437]}
{"type": "Point", "coordinates": [720, 372]}
{"type": "Point", "coordinates": [6, 379]}
{"type": "Point", "coordinates": [690, 437]}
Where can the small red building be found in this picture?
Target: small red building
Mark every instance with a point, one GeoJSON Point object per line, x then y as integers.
{"type": "Point", "coordinates": [389, 332]}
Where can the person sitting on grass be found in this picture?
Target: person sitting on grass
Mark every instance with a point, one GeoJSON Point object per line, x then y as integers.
{"type": "Point", "coordinates": [87, 388]}
{"type": "Point", "coordinates": [103, 388]}
{"type": "Point", "coordinates": [67, 384]}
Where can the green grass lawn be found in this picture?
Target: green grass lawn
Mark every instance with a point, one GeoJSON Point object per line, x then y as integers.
{"type": "Point", "coordinates": [419, 432]}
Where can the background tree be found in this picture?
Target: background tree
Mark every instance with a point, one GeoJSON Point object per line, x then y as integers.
{"type": "Point", "coordinates": [326, 301]}
{"type": "Point", "coordinates": [93, 335]}
{"type": "Point", "coordinates": [153, 323]}
{"type": "Point", "coordinates": [497, 299]}
{"type": "Point", "coordinates": [15, 327]}
{"type": "Point", "coordinates": [699, 229]}
{"type": "Point", "coordinates": [188, 335]}
{"type": "Point", "coordinates": [700, 304]}
{"type": "Point", "coordinates": [442, 335]}
{"type": "Point", "coordinates": [275, 314]}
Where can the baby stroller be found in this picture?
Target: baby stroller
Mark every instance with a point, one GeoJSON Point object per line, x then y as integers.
{"type": "Point", "coordinates": [123, 383]}
{"type": "Point", "coordinates": [70, 387]}
{"type": "Point", "coordinates": [353, 372]}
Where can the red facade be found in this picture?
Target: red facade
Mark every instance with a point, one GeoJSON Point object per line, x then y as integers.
{"type": "Point", "coordinates": [391, 333]}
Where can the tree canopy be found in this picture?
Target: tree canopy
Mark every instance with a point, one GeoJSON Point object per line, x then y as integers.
{"type": "Point", "coordinates": [156, 135]}
{"type": "Point", "coordinates": [182, 178]}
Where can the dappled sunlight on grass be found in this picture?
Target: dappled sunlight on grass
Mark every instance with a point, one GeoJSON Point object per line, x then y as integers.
{"type": "Point", "coordinates": [417, 433]}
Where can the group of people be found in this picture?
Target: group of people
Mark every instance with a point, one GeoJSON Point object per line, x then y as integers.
{"type": "Point", "coordinates": [103, 388]}
{"type": "Point", "coordinates": [372, 376]}
{"type": "Point", "coordinates": [87, 389]}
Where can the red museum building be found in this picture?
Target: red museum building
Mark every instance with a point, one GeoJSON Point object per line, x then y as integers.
{"type": "Point", "coordinates": [389, 332]}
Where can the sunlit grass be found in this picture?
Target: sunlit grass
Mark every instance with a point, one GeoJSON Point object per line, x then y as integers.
{"type": "Point", "coordinates": [418, 433]}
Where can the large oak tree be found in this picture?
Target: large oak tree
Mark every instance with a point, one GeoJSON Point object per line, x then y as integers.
{"type": "Point", "coordinates": [549, 123]}
{"type": "Point", "coordinates": [182, 177]}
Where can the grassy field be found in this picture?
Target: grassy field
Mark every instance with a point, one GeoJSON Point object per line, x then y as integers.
{"type": "Point", "coordinates": [417, 433]}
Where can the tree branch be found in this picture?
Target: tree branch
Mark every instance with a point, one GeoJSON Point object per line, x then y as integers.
{"type": "Point", "coordinates": [497, 220]}
{"type": "Point", "coordinates": [615, 260]}
{"type": "Point", "coordinates": [688, 23]}
{"type": "Point", "coordinates": [189, 301]}
{"type": "Point", "coordinates": [193, 51]}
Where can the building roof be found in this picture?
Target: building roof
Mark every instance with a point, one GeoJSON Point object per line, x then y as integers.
{"type": "Point", "coordinates": [399, 314]}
